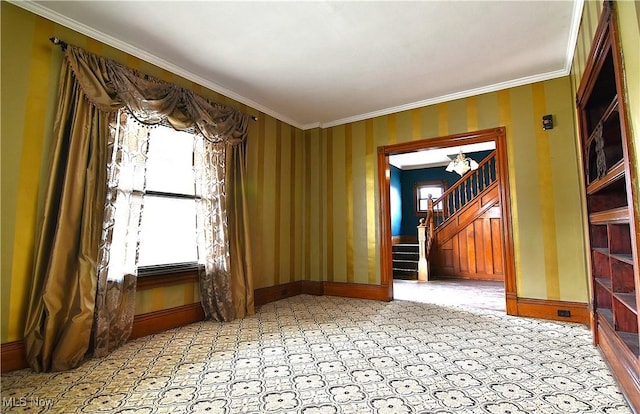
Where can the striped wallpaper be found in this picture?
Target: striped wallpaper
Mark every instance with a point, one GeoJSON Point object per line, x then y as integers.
{"type": "Point", "coordinates": [313, 194]}
{"type": "Point", "coordinates": [550, 262]}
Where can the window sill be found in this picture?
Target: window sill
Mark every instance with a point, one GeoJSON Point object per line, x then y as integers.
{"type": "Point", "coordinates": [151, 279]}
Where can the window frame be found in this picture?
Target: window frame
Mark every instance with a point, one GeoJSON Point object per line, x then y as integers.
{"type": "Point", "coordinates": [416, 194]}
{"type": "Point", "coordinates": [170, 273]}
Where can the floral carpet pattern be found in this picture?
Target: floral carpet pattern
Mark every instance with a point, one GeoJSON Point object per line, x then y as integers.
{"type": "Point", "coordinates": [324, 355]}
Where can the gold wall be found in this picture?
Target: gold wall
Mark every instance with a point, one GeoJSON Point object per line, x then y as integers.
{"type": "Point", "coordinates": [543, 173]}
{"type": "Point", "coordinates": [313, 195]}
{"type": "Point", "coordinates": [629, 25]}
{"type": "Point", "coordinates": [30, 69]}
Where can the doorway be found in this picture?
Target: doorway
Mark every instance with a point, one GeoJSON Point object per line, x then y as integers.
{"type": "Point", "coordinates": [499, 137]}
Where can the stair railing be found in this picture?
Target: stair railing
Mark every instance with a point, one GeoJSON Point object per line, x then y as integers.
{"type": "Point", "coordinates": [457, 196]}
{"type": "Point", "coordinates": [464, 190]}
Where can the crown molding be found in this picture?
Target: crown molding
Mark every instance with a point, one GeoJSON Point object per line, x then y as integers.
{"type": "Point", "coordinates": [47, 13]}
{"type": "Point", "coordinates": [450, 97]}
{"type": "Point", "coordinates": [578, 6]}
{"type": "Point", "coordinates": [311, 125]}
{"type": "Point", "coordinates": [56, 17]}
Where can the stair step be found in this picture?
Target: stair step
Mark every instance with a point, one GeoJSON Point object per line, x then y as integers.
{"type": "Point", "coordinates": [405, 265]}
{"type": "Point", "coordinates": [406, 257]}
{"type": "Point", "coordinates": [405, 247]}
{"type": "Point", "coordinates": [405, 274]}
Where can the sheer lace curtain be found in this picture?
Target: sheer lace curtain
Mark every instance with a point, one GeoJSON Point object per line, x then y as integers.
{"type": "Point", "coordinates": [212, 230]}
{"type": "Point", "coordinates": [78, 287]}
{"type": "Point", "coordinates": [117, 263]}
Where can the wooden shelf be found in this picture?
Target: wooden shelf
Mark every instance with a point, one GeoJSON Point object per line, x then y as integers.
{"type": "Point", "coordinates": [628, 300]}
{"type": "Point", "coordinates": [601, 250]}
{"type": "Point", "coordinates": [616, 215]}
{"type": "Point", "coordinates": [631, 340]}
{"type": "Point", "coordinates": [604, 282]}
{"type": "Point", "coordinates": [606, 315]}
{"type": "Point", "coordinates": [615, 173]}
{"type": "Point", "coordinates": [626, 258]}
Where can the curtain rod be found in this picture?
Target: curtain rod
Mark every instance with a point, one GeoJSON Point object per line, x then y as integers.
{"type": "Point", "coordinates": [61, 43]}
{"type": "Point", "coordinates": [63, 46]}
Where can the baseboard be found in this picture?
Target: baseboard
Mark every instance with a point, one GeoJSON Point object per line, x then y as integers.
{"type": "Point", "coordinates": [350, 290]}
{"type": "Point", "coordinates": [162, 320]}
{"type": "Point", "coordinates": [449, 274]}
{"type": "Point", "coordinates": [274, 293]}
{"type": "Point", "coordinates": [312, 287]}
{"type": "Point", "coordinates": [356, 290]}
{"type": "Point", "coordinates": [14, 356]}
{"type": "Point", "coordinates": [549, 309]}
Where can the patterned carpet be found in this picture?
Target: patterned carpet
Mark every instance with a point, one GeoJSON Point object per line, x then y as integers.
{"type": "Point", "coordinates": [477, 294]}
{"type": "Point", "coordinates": [311, 354]}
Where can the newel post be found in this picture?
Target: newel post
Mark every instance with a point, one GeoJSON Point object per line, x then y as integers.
{"type": "Point", "coordinates": [423, 272]}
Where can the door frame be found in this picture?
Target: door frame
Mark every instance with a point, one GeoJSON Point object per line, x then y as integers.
{"type": "Point", "coordinates": [498, 135]}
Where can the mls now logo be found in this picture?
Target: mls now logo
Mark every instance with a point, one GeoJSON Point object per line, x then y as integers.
{"type": "Point", "coordinates": [14, 402]}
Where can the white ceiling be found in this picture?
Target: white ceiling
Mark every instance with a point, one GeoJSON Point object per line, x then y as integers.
{"type": "Point", "coordinates": [323, 63]}
{"type": "Point", "coordinates": [437, 157]}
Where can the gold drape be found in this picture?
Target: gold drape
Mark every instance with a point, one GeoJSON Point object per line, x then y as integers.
{"type": "Point", "coordinates": [238, 229]}
{"type": "Point", "coordinates": [63, 293]}
{"type": "Point", "coordinates": [61, 302]}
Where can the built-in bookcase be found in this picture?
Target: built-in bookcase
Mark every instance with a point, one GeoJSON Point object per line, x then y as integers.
{"type": "Point", "coordinates": [604, 136]}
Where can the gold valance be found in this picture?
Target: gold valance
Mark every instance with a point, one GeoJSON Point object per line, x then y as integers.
{"type": "Point", "coordinates": [109, 86]}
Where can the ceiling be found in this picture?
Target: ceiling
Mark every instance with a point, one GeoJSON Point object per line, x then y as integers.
{"type": "Point", "coordinates": [437, 157]}
{"type": "Point", "coordinates": [324, 63]}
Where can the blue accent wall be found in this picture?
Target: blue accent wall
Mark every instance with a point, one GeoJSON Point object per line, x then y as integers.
{"type": "Point", "coordinates": [408, 180]}
{"type": "Point", "coordinates": [395, 199]}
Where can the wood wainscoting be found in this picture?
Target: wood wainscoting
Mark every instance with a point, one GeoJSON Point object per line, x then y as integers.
{"type": "Point", "coordinates": [469, 245]}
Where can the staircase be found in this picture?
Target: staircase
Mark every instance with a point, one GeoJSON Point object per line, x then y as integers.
{"type": "Point", "coordinates": [405, 261]}
{"type": "Point", "coordinates": [449, 233]}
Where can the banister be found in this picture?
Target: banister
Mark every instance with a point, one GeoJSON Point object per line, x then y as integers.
{"type": "Point", "coordinates": [464, 177]}
{"type": "Point", "coordinates": [464, 191]}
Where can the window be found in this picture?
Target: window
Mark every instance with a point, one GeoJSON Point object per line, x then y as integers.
{"type": "Point", "coordinates": [168, 221]}
{"type": "Point", "coordinates": [422, 192]}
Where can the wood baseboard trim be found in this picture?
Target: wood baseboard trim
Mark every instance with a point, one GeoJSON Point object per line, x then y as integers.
{"type": "Point", "coordinates": [553, 309]}
{"type": "Point", "coordinates": [269, 294]}
{"type": "Point", "coordinates": [162, 320]}
{"type": "Point", "coordinates": [449, 274]}
{"type": "Point", "coordinates": [14, 356]}
{"type": "Point", "coordinates": [312, 287]}
{"type": "Point", "coordinates": [356, 290]}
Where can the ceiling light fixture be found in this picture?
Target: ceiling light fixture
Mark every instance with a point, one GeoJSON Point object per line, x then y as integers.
{"type": "Point", "coordinates": [461, 164]}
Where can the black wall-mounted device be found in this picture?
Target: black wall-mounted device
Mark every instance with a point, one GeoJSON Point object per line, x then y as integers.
{"type": "Point", "coordinates": [547, 122]}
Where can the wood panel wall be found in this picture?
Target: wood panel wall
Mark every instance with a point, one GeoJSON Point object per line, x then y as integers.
{"type": "Point", "coordinates": [470, 245]}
